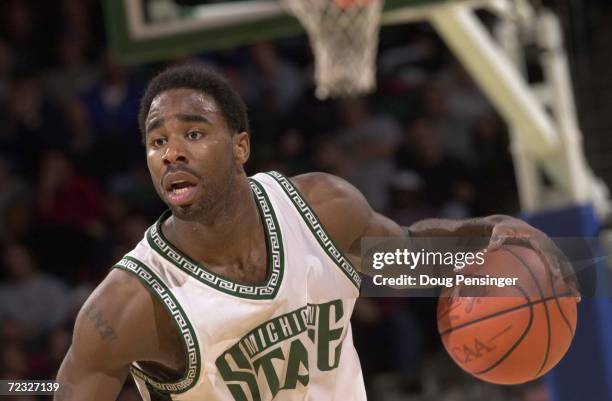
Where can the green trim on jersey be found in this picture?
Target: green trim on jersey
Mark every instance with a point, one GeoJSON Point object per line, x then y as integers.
{"type": "Point", "coordinates": [274, 246]}
{"type": "Point", "coordinates": [190, 341]}
{"type": "Point", "coordinates": [313, 223]}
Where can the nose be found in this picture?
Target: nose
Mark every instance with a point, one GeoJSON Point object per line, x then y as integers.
{"type": "Point", "coordinates": [174, 153]}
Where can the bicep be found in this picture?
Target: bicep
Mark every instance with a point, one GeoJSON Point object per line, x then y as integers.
{"type": "Point", "coordinates": [94, 368]}
{"type": "Point", "coordinates": [103, 347]}
{"type": "Point", "coordinates": [377, 225]}
{"type": "Point", "coordinates": [344, 212]}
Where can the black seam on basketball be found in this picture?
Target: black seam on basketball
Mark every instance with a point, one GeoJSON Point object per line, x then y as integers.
{"type": "Point", "coordinates": [516, 343]}
{"type": "Point", "coordinates": [511, 349]}
{"type": "Point", "coordinates": [546, 313]}
{"type": "Point", "coordinates": [514, 308]}
{"type": "Point", "coordinates": [565, 319]}
{"type": "Point", "coordinates": [504, 331]}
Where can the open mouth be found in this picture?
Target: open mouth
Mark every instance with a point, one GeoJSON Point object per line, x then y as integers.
{"type": "Point", "coordinates": [180, 188]}
{"type": "Point", "coordinates": [181, 192]}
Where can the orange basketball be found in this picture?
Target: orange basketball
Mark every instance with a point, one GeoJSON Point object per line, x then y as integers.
{"type": "Point", "coordinates": [516, 333]}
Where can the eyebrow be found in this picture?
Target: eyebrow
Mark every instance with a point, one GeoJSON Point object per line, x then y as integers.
{"type": "Point", "coordinates": [186, 118]}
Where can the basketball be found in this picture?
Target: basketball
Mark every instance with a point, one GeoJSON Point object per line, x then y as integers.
{"type": "Point", "coordinates": [516, 333]}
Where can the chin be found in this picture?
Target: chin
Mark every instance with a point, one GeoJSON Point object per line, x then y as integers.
{"type": "Point", "coordinates": [200, 212]}
{"type": "Point", "coordinates": [187, 212]}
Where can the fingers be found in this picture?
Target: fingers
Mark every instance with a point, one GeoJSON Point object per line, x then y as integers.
{"type": "Point", "coordinates": [548, 251]}
{"type": "Point", "coordinates": [495, 243]}
{"type": "Point", "coordinates": [560, 266]}
{"type": "Point", "coordinates": [569, 276]}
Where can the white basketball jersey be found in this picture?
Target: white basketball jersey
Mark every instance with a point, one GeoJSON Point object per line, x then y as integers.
{"type": "Point", "coordinates": [288, 339]}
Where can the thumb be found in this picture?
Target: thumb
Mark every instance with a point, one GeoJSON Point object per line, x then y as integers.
{"type": "Point", "coordinates": [495, 242]}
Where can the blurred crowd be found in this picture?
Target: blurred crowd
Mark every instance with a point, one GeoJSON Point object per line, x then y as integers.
{"type": "Point", "coordinates": [75, 192]}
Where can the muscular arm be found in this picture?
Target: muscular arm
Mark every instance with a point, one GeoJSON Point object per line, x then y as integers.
{"type": "Point", "coordinates": [344, 212]}
{"type": "Point", "coordinates": [106, 340]}
{"type": "Point", "coordinates": [348, 217]}
{"type": "Point", "coordinates": [475, 227]}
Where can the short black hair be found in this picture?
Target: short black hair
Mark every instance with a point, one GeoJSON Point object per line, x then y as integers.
{"type": "Point", "coordinates": [201, 79]}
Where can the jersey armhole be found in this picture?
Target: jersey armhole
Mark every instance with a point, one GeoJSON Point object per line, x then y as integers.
{"type": "Point", "coordinates": [321, 235]}
{"type": "Point", "coordinates": [188, 336]}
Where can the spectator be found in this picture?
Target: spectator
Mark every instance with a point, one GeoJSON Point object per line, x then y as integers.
{"type": "Point", "coordinates": [113, 102]}
{"type": "Point", "coordinates": [33, 123]}
{"type": "Point", "coordinates": [55, 347]}
{"type": "Point", "coordinates": [279, 83]}
{"type": "Point", "coordinates": [35, 300]}
{"type": "Point", "coordinates": [13, 361]}
{"type": "Point", "coordinates": [129, 235]}
{"type": "Point", "coordinates": [13, 190]}
{"type": "Point", "coordinates": [134, 187]}
{"type": "Point", "coordinates": [79, 130]}
{"type": "Point", "coordinates": [18, 26]}
{"type": "Point", "coordinates": [66, 197]}
{"type": "Point", "coordinates": [464, 101]}
{"type": "Point", "coordinates": [291, 150]}
{"type": "Point", "coordinates": [453, 130]}
{"type": "Point", "coordinates": [448, 182]}
{"type": "Point", "coordinates": [112, 105]}
{"type": "Point", "coordinates": [330, 158]}
{"type": "Point", "coordinates": [407, 199]}
{"type": "Point", "coordinates": [18, 219]}
{"type": "Point", "coordinates": [73, 73]}
{"type": "Point", "coordinates": [389, 341]}
{"type": "Point", "coordinates": [495, 173]}
{"type": "Point", "coordinates": [371, 142]}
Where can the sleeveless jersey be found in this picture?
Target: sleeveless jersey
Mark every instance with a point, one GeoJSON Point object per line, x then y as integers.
{"type": "Point", "coordinates": [287, 339]}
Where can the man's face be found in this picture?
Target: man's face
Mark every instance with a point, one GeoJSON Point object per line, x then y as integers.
{"type": "Point", "coordinates": [192, 155]}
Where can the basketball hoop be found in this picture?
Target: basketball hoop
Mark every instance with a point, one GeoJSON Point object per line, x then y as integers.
{"type": "Point", "coordinates": [344, 38]}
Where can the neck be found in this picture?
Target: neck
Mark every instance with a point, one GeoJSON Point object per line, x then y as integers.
{"type": "Point", "coordinates": [227, 236]}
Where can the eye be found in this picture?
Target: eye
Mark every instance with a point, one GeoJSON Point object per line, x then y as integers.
{"type": "Point", "coordinates": [194, 135]}
{"type": "Point", "coordinates": [158, 142]}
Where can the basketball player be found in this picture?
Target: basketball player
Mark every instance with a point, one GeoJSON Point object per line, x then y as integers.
{"type": "Point", "coordinates": [243, 289]}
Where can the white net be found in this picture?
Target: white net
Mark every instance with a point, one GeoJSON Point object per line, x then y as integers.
{"type": "Point", "coordinates": [344, 38]}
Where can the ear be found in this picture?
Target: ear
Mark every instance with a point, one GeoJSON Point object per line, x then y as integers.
{"type": "Point", "coordinates": [242, 147]}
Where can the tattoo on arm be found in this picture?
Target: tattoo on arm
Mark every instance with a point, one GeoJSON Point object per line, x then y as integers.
{"type": "Point", "coordinates": [103, 327]}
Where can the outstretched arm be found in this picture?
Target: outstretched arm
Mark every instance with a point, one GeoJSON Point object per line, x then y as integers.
{"type": "Point", "coordinates": [348, 218]}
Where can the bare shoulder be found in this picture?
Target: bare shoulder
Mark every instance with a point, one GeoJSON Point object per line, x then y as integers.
{"type": "Point", "coordinates": [108, 325]}
{"type": "Point", "coordinates": [323, 187]}
{"type": "Point", "coordinates": [342, 208]}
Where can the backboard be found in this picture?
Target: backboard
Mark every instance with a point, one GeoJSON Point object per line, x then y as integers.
{"type": "Point", "coordinates": [148, 30]}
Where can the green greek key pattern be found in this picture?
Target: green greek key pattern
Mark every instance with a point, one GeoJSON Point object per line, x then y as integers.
{"type": "Point", "coordinates": [190, 342]}
{"type": "Point", "coordinates": [312, 221]}
{"type": "Point", "coordinates": [274, 244]}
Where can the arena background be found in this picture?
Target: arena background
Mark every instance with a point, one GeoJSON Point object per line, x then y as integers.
{"type": "Point", "coordinates": [75, 193]}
